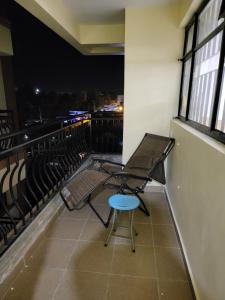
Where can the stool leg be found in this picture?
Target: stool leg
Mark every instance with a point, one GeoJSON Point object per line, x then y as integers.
{"type": "Point", "coordinates": [135, 232]}
{"type": "Point", "coordinates": [116, 220]}
{"type": "Point", "coordinates": [111, 228]}
{"type": "Point", "coordinates": [131, 216]}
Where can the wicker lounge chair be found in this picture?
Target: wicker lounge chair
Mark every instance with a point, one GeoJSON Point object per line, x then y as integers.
{"type": "Point", "coordinates": [146, 164]}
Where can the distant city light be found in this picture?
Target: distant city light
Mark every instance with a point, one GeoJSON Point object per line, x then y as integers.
{"type": "Point", "coordinates": [26, 137]}
{"type": "Point", "coordinates": [76, 112]}
{"type": "Point", "coordinates": [120, 108]}
{"type": "Point", "coordinates": [37, 91]}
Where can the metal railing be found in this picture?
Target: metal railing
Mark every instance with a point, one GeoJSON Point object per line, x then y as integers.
{"type": "Point", "coordinates": [32, 171]}
{"type": "Point", "coordinates": [14, 138]}
{"type": "Point", "coordinates": [107, 132]}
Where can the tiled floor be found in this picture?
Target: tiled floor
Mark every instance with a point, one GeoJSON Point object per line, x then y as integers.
{"type": "Point", "coordinates": [71, 262]}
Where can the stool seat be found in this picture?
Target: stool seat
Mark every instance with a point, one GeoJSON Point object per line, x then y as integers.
{"type": "Point", "coordinates": [123, 202]}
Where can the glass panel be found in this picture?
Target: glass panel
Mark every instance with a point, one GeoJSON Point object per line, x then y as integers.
{"type": "Point", "coordinates": [220, 122]}
{"type": "Point", "coordinates": [190, 39]}
{"type": "Point", "coordinates": [208, 19]}
{"type": "Point", "coordinates": [185, 87]}
{"type": "Point", "coordinates": [204, 81]}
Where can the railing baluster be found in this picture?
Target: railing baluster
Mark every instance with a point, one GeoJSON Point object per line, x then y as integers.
{"type": "Point", "coordinates": [43, 163]}
{"type": "Point", "coordinates": [12, 188]}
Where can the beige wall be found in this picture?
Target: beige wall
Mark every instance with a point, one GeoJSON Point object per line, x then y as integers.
{"type": "Point", "coordinates": [196, 188]}
{"type": "Point", "coordinates": [2, 90]}
{"type": "Point", "coordinates": [153, 43]}
{"type": "Point", "coordinates": [56, 16]}
{"type": "Point", "coordinates": [5, 50]}
{"type": "Point", "coordinates": [187, 10]}
{"type": "Point", "coordinates": [5, 41]}
{"type": "Point", "coordinates": [102, 34]}
{"type": "Point", "coordinates": [61, 19]}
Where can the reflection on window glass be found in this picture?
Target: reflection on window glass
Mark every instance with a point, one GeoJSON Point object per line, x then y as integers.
{"type": "Point", "coordinates": [220, 122]}
{"type": "Point", "coordinates": [222, 10]}
{"type": "Point", "coordinates": [185, 87]}
{"type": "Point", "coordinates": [208, 19]}
{"type": "Point", "coordinates": [204, 81]}
{"type": "Point", "coordinates": [190, 39]}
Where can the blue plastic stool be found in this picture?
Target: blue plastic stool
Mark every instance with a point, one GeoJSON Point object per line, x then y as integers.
{"type": "Point", "coordinates": [120, 202]}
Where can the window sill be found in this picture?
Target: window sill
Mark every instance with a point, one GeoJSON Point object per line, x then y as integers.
{"type": "Point", "coordinates": [219, 146]}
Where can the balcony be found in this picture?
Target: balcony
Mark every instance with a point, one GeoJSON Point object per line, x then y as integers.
{"type": "Point", "coordinates": [59, 253]}
{"type": "Point", "coordinates": [174, 86]}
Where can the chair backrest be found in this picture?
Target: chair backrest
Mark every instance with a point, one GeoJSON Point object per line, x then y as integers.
{"type": "Point", "coordinates": [148, 159]}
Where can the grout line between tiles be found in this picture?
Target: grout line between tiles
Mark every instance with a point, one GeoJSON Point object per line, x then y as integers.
{"type": "Point", "coordinates": [57, 286]}
{"type": "Point", "coordinates": [82, 229]}
{"type": "Point", "coordinates": [164, 224]}
{"type": "Point", "coordinates": [155, 262]}
{"type": "Point", "coordinates": [74, 249]}
{"type": "Point", "coordinates": [110, 268]}
{"type": "Point", "coordinates": [180, 243]}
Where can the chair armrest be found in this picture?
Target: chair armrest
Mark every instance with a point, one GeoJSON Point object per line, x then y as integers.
{"type": "Point", "coordinates": [126, 174]}
{"type": "Point", "coordinates": [107, 161]}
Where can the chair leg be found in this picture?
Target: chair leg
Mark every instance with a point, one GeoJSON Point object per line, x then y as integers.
{"type": "Point", "coordinates": [105, 223]}
{"type": "Point", "coordinates": [111, 228]}
{"type": "Point", "coordinates": [131, 216]}
{"type": "Point", "coordinates": [135, 232]}
{"type": "Point", "coordinates": [144, 209]}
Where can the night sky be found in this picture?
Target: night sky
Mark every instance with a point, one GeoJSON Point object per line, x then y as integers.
{"type": "Point", "coordinates": [42, 59]}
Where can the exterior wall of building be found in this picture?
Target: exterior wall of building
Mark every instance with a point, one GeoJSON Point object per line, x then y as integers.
{"type": "Point", "coordinates": [153, 44]}
{"type": "Point", "coordinates": [5, 50]}
{"type": "Point", "coordinates": [9, 86]}
{"type": "Point", "coordinates": [2, 90]}
{"type": "Point", "coordinates": [6, 42]}
{"type": "Point", "coordinates": [196, 191]}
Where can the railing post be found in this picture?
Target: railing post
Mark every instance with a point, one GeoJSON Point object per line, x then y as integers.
{"type": "Point", "coordinates": [90, 134]}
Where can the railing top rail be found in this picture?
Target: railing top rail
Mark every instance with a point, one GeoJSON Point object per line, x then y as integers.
{"type": "Point", "coordinates": [107, 118]}
{"type": "Point", "coordinates": [18, 148]}
{"type": "Point", "coordinates": [20, 140]}
{"type": "Point", "coordinates": [34, 129]}
{"type": "Point", "coordinates": [37, 127]}
{"type": "Point", "coordinates": [5, 111]}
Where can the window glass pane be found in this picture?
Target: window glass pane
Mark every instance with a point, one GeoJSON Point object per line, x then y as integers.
{"type": "Point", "coordinates": [222, 10]}
{"type": "Point", "coordinates": [204, 81]}
{"type": "Point", "coordinates": [190, 39]}
{"type": "Point", "coordinates": [220, 122]}
{"type": "Point", "coordinates": [208, 19]}
{"type": "Point", "coordinates": [185, 87]}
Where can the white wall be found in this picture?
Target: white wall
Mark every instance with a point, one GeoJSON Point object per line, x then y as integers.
{"type": "Point", "coordinates": [2, 90]}
{"type": "Point", "coordinates": [196, 188]}
{"type": "Point", "coordinates": [153, 43]}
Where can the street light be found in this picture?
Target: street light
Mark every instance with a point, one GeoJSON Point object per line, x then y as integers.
{"type": "Point", "coordinates": [37, 91]}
